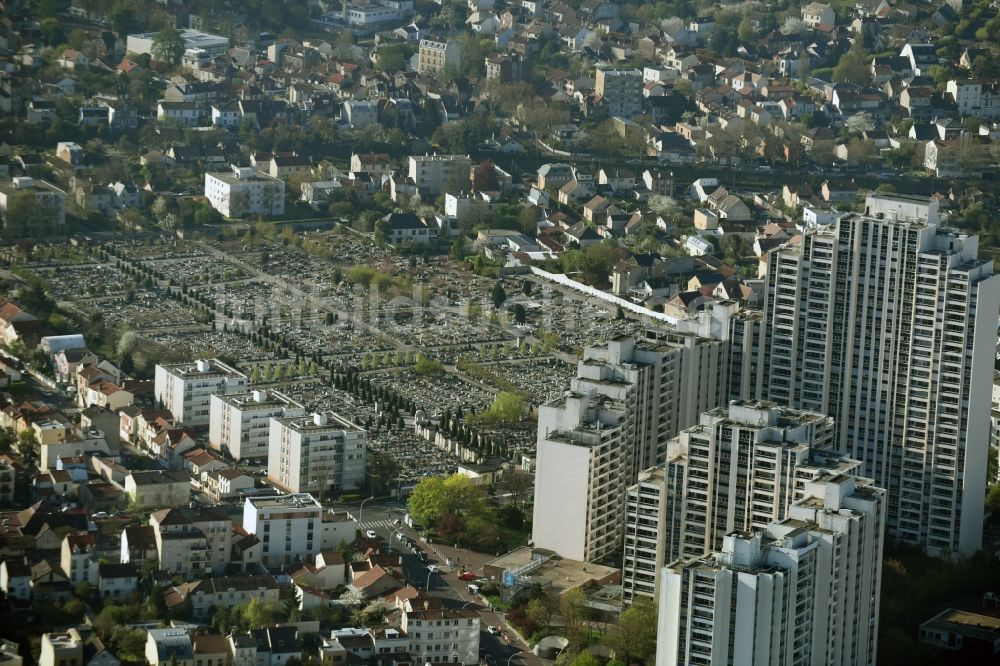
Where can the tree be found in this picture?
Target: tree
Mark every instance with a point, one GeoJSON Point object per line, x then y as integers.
{"type": "Point", "coordinates": [993, 499]}
{"type": "Point", "coordinates": [484, 177]}
{"type": "Point", "coordinates": [527, 220]}
{"type": "Point", "coordinates": [427, 366]}
{"type": "Point", "coordinates": [573, 608]}
{"type": "Point", "coordinates": [26, 444]}
{"type": "Point", "coordinates": [793, 26]}
{"type": "Point", "coordinates": [168, 46]}
{"type": "Point", "coordinates": [519, 314]}
{"type": "Point", "coordinates": [498, 295]}
{"type": "Point", "coordinates": [634, 635]}
{"type": "Point", "coordinates": [597, 261]}
{"type": "Point", "coordinates": [507, 407]}
{"type": "Point", "coordinates": [854, 66]}
{"type": "Point", "coordinates": [542, 609]}
{"type": "Point", "coordinates": [435, 496]}
{"type": "Point", "coordinates": [585, 659]}
{"type": "Point", "coordinates": [259, 614]}
{"type": "Point", "coordinates": [6, 440]}
{"type": "Point", "coordinates": [26, 218]}
{"type": "Point", "coordinates": [393, 57]}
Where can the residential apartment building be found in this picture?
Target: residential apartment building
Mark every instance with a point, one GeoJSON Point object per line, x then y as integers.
{"type": "Point", "coordinates": [889, 326]}
{"type": "Point", "coordinates": [433, 56]}
{"type": "Point", "coordinates": [46, 195]}
{"type": "Point", "coordinates": [628, 399]}
{"type": "Point", "coordinates": [443, 635]}
{"type": "Point", "coordinates": [975, 98]}
{"type": "Point", "coordinates": [241, 423]}
{"type": "Point", "coordinates": [186, 389]}
{"type": "Point", "coordinates": [192, 541]}
{"type": "Point", "coordinates": [322, 452]}
{"type": "Point", "coordinates": [61, 649]}
{"type": "Point", "coordinates": [430, 173]}
{"type": "Point", "coordinates": [155, 489]}
{"type": "Point", "coordinates": [583, 467]}
{"type": "Point", "coordinates": [171, 646]}
{"type": "Point", "coordinates": [245, 192]}
{"type": "Point", "coordinates": [223, 591]}
{"type": "Point", "coordinates": [620, 91]}
{"type": "Point", "coordinates": [672, 376]}
{"type": "Point", "coordinates": [739, 468]}
{"type": "Point", "coordinates": [289, 527]}
{"type": "Point", "coordinates": [803, 591]}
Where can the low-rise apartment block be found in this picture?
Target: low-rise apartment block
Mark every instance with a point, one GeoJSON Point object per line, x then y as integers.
{"type": "Point", "coordinates": [431, 173]}
{"type": "Point", "coordinates": [321, 453]}
{"type": "Point", "coordinates": [245, 192]}
{"type": "Point", "coordinates": [240, 424]}
{"type": "Point", "coordinates": [45, 195]}
{"type": "Point", "coordinates": [433, 56]}
{"type": "Point", "coordinates": [289, 526]}
{"type": "Point", "coordinates": [186, 389]}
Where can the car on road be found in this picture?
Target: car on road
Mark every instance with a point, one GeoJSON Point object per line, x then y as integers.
{"type": "Point", "coordinates": [371, 534]}
{"type": "Point", "coordinates": [467, 576]}
{"type": "Point", "coordinates": [496, 631]}
{"type": "Point", "coordinates": [433, 568]}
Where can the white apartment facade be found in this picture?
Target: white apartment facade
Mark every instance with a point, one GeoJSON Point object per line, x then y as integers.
{"type": "Point", "coordinates": [620, 90]}
{"type": "Point", "coordinates": [673, 377]}
{"type": "Point", "coordinates": [186, 389]}
{"type": "Point", "coordinates": [322, 453]}
{"type": "Point", "coordinates": [430, 173]}
{"type": "Point", "coordinates": [245, 192]}
{"type": "Point", "coordinates": [803, 591]}
{"type": "Point", "coordinates": [627, 400]}
{"type": "Point", "coordinates": [241, 423]}
{"type": "Point", "coordinates": [739, 469]}
{"type": "Point", "coordinates": [61, 649]}
{"type": "Point", "coordinates": [975, 98]}
{"type": "Point", "coordinates": [583, 467]}
{"type": "Point", "coordinates": [288, 526]}
{"type": "Point", "coordinates": [443, 636]}
{"type": "Point", "coordinates": [889, 326]}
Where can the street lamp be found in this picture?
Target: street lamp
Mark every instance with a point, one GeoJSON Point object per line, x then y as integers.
{"type": "Point", "coordinates": [361, 510]}
{"type": "Point", "coordinates": [514, 655]}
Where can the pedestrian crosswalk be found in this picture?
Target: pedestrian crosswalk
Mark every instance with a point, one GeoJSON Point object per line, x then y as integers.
{"type": "Point", "coordinates": [375, 524]}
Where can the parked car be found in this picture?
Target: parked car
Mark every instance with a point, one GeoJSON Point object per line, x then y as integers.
{"type": "Point", "coordinates": [494, 630]}
{"type": "Point", "coordinates": [467, 576]}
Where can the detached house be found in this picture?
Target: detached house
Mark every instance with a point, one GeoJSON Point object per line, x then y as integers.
{"type": "Point", "coordinates": [816, 13]}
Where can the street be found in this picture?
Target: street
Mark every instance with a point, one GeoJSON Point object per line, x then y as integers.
{"type": "Point", "coordinates": [381, 517]}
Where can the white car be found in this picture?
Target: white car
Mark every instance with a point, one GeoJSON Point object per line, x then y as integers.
{"type": "Point", "coordinates": [493, 630]}
{"type": "Point", "coordinates": [371, 534]}
{"type": "Point", "coordinates": [433, 568]}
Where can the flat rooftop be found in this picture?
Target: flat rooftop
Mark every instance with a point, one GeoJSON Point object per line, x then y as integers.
{"type": "Point", "coordinates": [293, 501]}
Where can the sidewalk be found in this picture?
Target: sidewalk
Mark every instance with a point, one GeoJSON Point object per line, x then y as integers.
{"type": "Point", "coordinates": [473, 561]}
